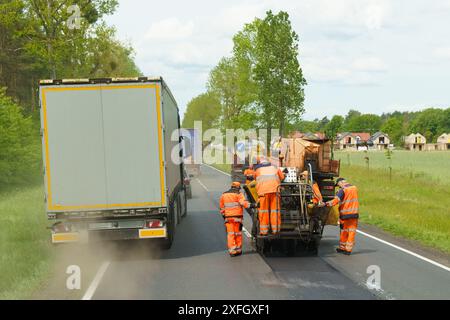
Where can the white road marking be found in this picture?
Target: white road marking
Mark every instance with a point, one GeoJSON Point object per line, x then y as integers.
{"type": "Point", "coordinates": [246, 232]}
{"type": "Point", "coordinates": [405, 250]}
{"type": "Point", "coordinates": [380, 240]}
{"type": "Point", "coordinates": [201, 183]}
{"type": "Point", "coordinates": [227, 174]}
{"type": "Point", "coordinates": [94, 284]}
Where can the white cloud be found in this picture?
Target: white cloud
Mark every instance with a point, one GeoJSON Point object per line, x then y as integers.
{"type": "Point", "coordinates": [170, 29]}
{"type": "Point", "coordinates": [346, 46]}
{"type": "Point", "coordinates": [369, 64]}
{"type": "Point", "coordinates": [443, 52]}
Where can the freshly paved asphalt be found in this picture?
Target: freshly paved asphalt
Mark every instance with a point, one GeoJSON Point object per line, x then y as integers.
{"type": "Point", "coordinates": [198, 266]}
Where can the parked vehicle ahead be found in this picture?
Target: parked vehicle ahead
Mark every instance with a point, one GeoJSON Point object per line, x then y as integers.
{"type": "Point", "coordinates": [107, 151]}
{"type": "Point", "coordinates": [187, 184]}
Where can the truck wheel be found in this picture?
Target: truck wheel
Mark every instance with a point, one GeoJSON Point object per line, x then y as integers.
{"type": "Point", "coordinates": [177, 209]}
{"type": "Point", "coordinates": [313, 247]}
{"type": "Point", "coordinates": [184, 200]}
{"type": "Point", "coordinates": [167, 243]}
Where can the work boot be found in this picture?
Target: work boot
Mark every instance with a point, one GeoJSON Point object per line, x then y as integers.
{"type": "Point", "coordinates": [339, 250]}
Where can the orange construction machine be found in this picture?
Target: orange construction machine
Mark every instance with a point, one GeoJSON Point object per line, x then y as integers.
{"type": "Point", "coordinates": [309, 181]}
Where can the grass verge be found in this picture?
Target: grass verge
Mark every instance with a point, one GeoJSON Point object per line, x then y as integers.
{"type": "Point", "coordinates": [223, 167]}
{"type": "Point", "coordinates": [25, 249]}
{"type": "Point", "coordinates": [407, 206]}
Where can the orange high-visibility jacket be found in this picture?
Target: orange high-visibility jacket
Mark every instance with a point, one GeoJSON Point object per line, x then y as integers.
{"type": "Point", "coordinates": [317, 194]}
{"type": "Point", "coordinates": [249, 175]}
{"type": "Point", "coordinates": [268, 178]}
{"type": "Point", "coordinates": [231, 204]}
{"type": "Point", "coordinates": [347, 198]}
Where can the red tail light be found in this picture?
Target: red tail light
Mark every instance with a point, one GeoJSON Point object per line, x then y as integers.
{"type": "Point", "coordinates": [154, 224]}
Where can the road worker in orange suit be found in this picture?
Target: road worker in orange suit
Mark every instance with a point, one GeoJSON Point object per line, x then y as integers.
{"type": "Point", "coordinates": [268, 179]}
{"type": "Point", "coordinates": [249, 174]}
{"type": "Point", "coordinates": [317, 195]}
{"type": "Point", "coordinates": [347, 198]}
{"type": "Point", "coordinates": [232, 203]}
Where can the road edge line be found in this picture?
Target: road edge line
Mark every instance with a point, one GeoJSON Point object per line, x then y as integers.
{"type": "Point", "coordinates": [202, 184]}
{"type": "Point", "coordinates": [94, 284]}
{"type": "Point", "coordinates": [246, 232]}
{"type": "Point", "coordinates": [437, 264]}
{"type": "Point", "coordinates": [207, 165]}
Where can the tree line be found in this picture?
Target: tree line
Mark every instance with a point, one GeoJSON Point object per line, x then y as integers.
{"type": "Point", "coordinates": [49, 39]}
{"type": "Point", "coordinates": [259, 86]}
{"type": "Point", "coordinates": [430, 122]}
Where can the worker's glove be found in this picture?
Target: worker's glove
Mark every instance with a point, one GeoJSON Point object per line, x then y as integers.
{"type": "Point", "coordinates": [253, 205]}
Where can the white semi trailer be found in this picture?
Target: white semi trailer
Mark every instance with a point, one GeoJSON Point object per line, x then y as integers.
{"type": "Point", "coordinates": [112, 159]}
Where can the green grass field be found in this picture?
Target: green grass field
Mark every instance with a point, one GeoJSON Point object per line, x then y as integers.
{"type": "Point", "coordinates": [415, 204]}
{"type": "Point", "coordinates": [429, 165]}
{"type": "Point", "coordinates": [25, 249]}
{"type": "Point", "coordinates": [411, 207]}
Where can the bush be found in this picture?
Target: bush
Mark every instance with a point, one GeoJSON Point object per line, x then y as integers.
{"type": "Point", "coordinates": [19, 145]}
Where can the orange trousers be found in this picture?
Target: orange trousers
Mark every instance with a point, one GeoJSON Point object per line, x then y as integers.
{"type": "Point", "coordinates": [348, 233]}
{"type": "Point", "coordinates": [234, 235]}
{"type": "Point", "coordinates": [269, 214]}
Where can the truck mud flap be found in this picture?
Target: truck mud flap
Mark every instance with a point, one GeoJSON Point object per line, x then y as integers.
{"type": "Point", "coordinates": [65, 237]}
{"type": "Point", "coordinates": [152, 233]}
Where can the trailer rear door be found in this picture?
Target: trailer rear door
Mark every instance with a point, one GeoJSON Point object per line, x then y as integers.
{"type": "Point", "coordinates": [103, 146]}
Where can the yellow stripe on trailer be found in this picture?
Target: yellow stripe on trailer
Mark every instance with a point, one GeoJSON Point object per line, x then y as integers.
{"type": "Point", "coordinates": [65, 237]}
{"type": "Point", "coordinates": [152, 233]}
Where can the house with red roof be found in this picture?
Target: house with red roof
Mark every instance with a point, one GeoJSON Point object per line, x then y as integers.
{"type": "Point", "coordinates": [353, 140]}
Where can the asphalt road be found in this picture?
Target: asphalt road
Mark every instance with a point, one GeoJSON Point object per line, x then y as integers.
{"type": "Point", "coordinates": [198, 266]}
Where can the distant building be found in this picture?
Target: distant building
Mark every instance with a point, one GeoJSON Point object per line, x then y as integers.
{"type": "Point", "coordinates": [415, 142]}
{"type": "Point", "coordinates": [444, 141]}
{"type": "Point", "coordinates": [353, 140]}
{"type": "Point", "coordinates": [308, 135]}
{"type": "Point", "coordinates": [380, 141]}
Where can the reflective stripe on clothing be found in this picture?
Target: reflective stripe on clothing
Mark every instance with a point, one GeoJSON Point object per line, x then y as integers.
{"type": "Point", "coordinates": [347, 199]}
{"type": "Point", "coordinates": [231, 204]}
{"type": "Point", "coordinates": [234, 236]}
{"type": "Point", "coordinates": [269, 214]}
{"type": "Point", "coordinates": [268, 178]}
{"type": "Point", "coordinates": [348, 234]}
{"type": "Point", "coordinates": [352, 210]}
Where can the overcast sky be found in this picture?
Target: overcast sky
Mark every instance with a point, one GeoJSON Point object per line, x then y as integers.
{"type": "Point", "coordinates": [371, 55]}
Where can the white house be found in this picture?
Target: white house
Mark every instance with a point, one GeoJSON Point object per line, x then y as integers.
{"type": "Point", "coordinates": [380, 141]}
{"type": "Point", "coordinates": [444, 141]}
{"type": "Point", "coordinates": [415, 142]}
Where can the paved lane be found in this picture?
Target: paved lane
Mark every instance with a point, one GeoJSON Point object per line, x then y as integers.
{"type": "Point", "coordinates": [198, 267]}
{"type": "Point", "coordinates": [403, 276]}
